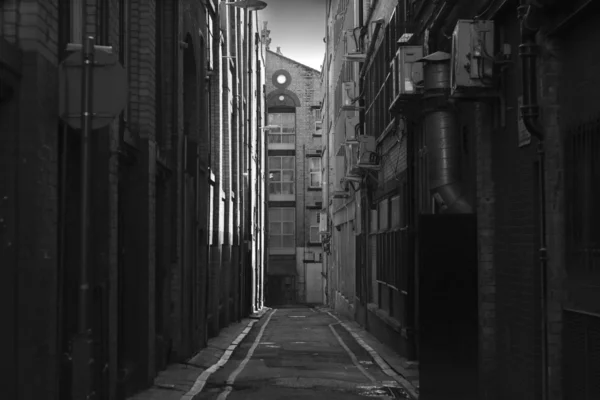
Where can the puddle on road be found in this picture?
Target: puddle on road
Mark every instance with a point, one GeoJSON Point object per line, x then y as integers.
{"type": "Point", "coordinates": [382, 392]}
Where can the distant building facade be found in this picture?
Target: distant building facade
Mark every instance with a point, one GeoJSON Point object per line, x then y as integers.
{"type": "Point", "coordinates": [295, 184]}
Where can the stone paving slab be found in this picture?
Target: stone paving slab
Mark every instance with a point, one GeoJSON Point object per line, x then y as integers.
{"type": "Point", "coordinates": [178, 379]}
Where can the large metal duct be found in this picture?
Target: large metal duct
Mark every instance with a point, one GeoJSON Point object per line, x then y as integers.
{"type": "Point", "coordinates": [443, 147]}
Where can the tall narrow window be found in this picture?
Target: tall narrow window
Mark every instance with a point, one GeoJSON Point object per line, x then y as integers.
{"type": "Point", "coordinates": [282, 229]}
{"type": "Point", "coordinates": [76, 21]}
{"type": "Point", "coordinates": [284, 128]}
{"type": "Point", "coordinates": [124, 45]}
{"type": "Point", "coordinates": [281, 175]}
{"type": "Point", "coordinates": [314, 170]}
{"type": "Point", "coordinates": [315, 220]}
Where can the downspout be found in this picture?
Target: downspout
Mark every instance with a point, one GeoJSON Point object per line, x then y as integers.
{"type": "Point", "coordinates": [528, 51]}
{"type": "Point", "coordinates": [325, 266]}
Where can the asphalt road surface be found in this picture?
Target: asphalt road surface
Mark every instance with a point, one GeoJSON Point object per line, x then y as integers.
{"type": "Point", "coordinates": [300, 353]}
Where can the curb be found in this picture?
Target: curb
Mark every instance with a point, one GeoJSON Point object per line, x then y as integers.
{"type": "Point", "coordinates": [385, 367]}
{"type": "Point", "coordinates": [203, 377]}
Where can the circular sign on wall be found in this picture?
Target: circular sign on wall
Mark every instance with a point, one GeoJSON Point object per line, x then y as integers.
{"type": "Point", "coordinates": [109, 89]}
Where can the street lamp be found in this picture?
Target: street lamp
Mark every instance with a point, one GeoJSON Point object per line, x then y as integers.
{"type": "Point", "coordinates": [250, 5]}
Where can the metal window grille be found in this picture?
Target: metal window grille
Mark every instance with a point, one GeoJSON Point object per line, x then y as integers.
{"type": "Point", "coordinates": [582, 195]}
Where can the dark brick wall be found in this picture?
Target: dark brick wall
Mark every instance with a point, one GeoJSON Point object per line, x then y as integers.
{"type": "Point", "coordinates": [138, 266]}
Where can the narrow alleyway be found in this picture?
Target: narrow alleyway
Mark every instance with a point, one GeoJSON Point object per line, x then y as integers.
{"type": "Point", "coordinates": [300, 353]}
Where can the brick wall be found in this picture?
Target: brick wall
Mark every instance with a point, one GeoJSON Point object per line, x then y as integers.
{"type": "Point", "coordinates": [29, 213]}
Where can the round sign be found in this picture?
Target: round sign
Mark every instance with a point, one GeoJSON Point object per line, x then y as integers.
{"type": "Point", "coordinates": [109, 89]}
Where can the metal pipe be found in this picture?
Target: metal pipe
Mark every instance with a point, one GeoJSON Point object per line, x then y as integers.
{"type": "Point", "coordinates": [528, 51]}
{"type": "Point", "coordinates": [441, 134]}
{"type": "Point", "coordinates": [86, 123]}
{"type": "Point", "coordinates": [82, 345]}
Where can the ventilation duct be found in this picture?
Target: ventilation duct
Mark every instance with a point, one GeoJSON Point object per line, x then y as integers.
{"type": "Point", "coordinates": [441, 132]}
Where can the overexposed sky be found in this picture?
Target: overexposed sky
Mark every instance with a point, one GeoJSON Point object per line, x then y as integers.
{"type": "Point", "coordinates": [298, 27]}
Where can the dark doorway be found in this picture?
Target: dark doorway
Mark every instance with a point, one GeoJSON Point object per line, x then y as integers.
{"type": "Point", "coordinates": [280, 290]}
{"type": "Point", "coordinates": [448, 306]}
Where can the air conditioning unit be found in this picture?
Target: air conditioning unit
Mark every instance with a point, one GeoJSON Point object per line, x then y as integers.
{"type": "Point", "coordinates": [309, 256]}
{"type": "Point", "coordinates": [367, 153]}
{"type": "Point", "coordinates": [352, 43]}
{"type": "Point", "coordinates": [407, 71]}
{"type": "Point", "coordinates": [352, 159]}
{"type": "Point", "coordinates": [353, 50]}
{"type": "Point", "coordinates": [323, 222]}
{"type": "Point", "coordinates": [349, 100]}
{"type": "Point", "coordinates": [472, 57]}
{"type": "Point", "coordinates": [318, 127]}
{"type": "Point", "coordinates": [351, 128]}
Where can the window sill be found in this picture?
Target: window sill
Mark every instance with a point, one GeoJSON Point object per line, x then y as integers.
{"type": "Point", "coordinates": [314, 189]}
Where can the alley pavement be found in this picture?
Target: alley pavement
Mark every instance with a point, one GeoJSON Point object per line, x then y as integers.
{"type": "Point", "coordinates": [289, 353]}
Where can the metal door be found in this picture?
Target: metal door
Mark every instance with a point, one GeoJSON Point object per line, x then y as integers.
{"type": "Point", "coordinates": [314, 283]}
{"type": "Point", "coordinates": [448, 313]}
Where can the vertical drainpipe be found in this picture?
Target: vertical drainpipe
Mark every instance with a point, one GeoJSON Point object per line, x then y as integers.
{"type": "Point", "coordinates": [325, 265]}
{"type": "Point", "coordinates": [528, 52]}
{"type": "Point", "coordinates": [365, 206]}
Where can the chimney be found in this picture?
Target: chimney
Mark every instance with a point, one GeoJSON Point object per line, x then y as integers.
{"type": "Point", "coordinates": [265, 35]}
{"type": "Point", "coordinates": [279, 50]}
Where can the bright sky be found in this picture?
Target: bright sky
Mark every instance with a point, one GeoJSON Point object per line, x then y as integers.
{"type": "Point", "coordinates": [298, 27]}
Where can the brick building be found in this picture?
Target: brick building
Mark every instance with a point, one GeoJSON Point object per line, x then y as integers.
{"type": "Point", "coordinates": [469, 198]}
{"type": "Point", "coordinates": [293, 96]}
{"type": "Point", "coordinates": [177, 192]}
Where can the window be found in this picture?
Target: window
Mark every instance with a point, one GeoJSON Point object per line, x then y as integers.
{"type": "Point", "coordinates": [124, 45]}
{"type": "Point", "coordinates": [284, 130]}
{"type": "Point", "coordinates": [314, 169]}
{"type": "Point", "coordinates": [76, 18]}
{"type": "Point", "coordinates": [281, 175]}
{"type": "Point", "coordinates": [315, 220]}
{"type": "Point", "coordinates": [281, 79]}
{"type": "Point", "coordinates": [282, 228]}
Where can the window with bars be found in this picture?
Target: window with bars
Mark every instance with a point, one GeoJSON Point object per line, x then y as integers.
{"type": "Point", "coordinates": [76, 19]}
{"type": "Point", "coordinates": [281, 175]}
{"type": "Point", "coordinates": [124, 36]}
{"type": "Point", "coordinates": [284, 128]}
{"type": "Point", "coordinates": [582, 146]}
{"type": "Point", "coordinates": [315, 220]}
{"type": "Point", "coordinates": [282, 228]}
{"type": "Point", "coordinates": [392, 242]}
{"type": "Point", "coordinates": [379, 79]}
{"type": "Point", "coordinates": [314, 172]}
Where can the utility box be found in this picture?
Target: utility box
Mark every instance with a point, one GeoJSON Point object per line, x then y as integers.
{"type": "Point", "coordinates": [472, 57]}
